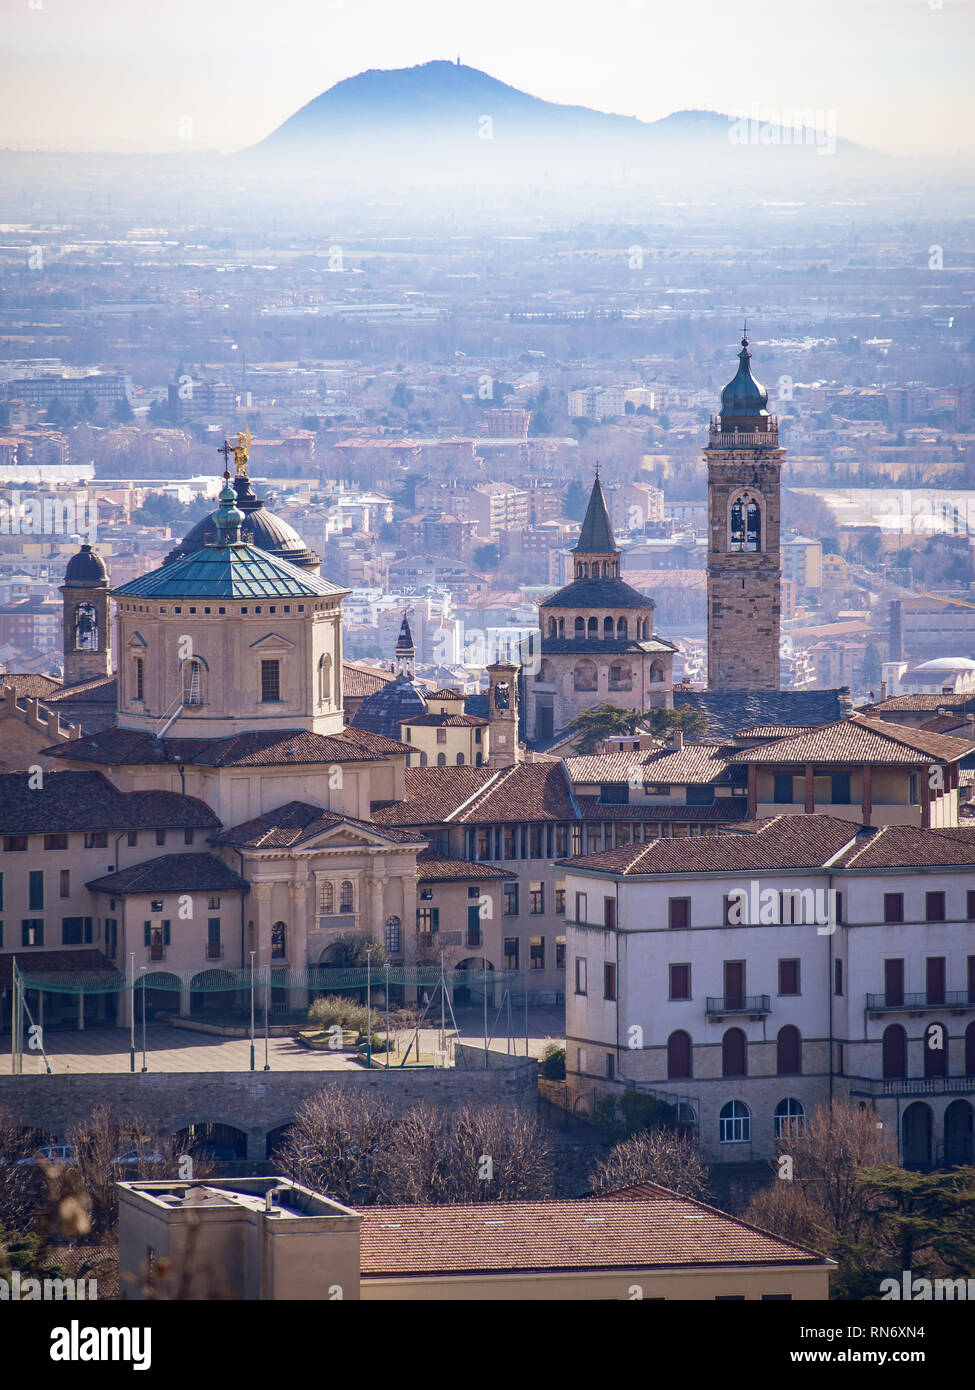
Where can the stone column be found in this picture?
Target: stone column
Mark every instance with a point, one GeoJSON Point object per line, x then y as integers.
{"type": "Point", "coordinates": [376, 911]}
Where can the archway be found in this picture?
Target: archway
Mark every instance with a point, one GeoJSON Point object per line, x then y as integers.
{"type": "Point", "coordinates": [679, 1056]}
{"type": "Point", "coordinates": [472, 993]}
{"type": "Point", "coordinates": [214, 1140]}
{"type": "Point", "coordinates": [276, 1137]}
{"type": "Point", "coordinates": [211, 991]}
{"type": "Point", "coordinates": [916, 1136]}
{"type": "Point", "coordinates": [959, 1148]}
{"type": "Point", "coordinates": [162, 993]}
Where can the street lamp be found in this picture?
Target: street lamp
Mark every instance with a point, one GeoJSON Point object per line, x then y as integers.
{"type": "Point", "coordinates": [252, 1010]}
{"type": "Point", "coordinates": [386, 968]}
{"type": "Point", "coordinates": [267, 997]}
{"type": "Point", "coordinates": [132, 1011]}
{"type": "Point", "coordinates": [142, 968]}
{"type": "Point", "coordinates": [369, 1005]}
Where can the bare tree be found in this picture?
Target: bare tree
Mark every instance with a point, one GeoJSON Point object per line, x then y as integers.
{"type": "Point", "coordinates": [478, 1154]}
{"type": "Point", "coordinates": [109, 1151]}
{"type": "Point", "coordinates": [338, 1145]}
{"type": "Point", "coordinates": [663, 1156]}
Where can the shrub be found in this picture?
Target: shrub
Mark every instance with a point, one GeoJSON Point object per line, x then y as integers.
{"type": "Point", "coordinates": [329, 1009]}
{"type": "Point", "coordinates": [552, 1062]}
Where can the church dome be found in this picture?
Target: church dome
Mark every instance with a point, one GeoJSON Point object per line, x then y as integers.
{"type": "Point", "coordinates": [396, 704]}
{"type": "Point", "coordinates": [259, 527]}
{"type": "Point", "coordinates": [744, 396]}
{"type": "Point", "coordinates": [86, 568]}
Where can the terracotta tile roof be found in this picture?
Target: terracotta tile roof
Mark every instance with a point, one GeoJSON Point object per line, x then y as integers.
{"type": "Point", "coordinates": [118, 747]}
{"type": "Point", "coordinates": [104, 690]}
{"type": "Point", "coordinates": [582, 1233]}
{"type": "Point", "coordinates": [433, 867]}
{"type": "Point", "coordinates": [954, 724]}
{"type": "Point", "coordinates": [30, 687]}
{"type": "Point", "coordinates": [297, 821]}
{"type": "Point", "coordinates": [432, 794]}
{"type": "Point", "coordinates": [782, 842]}
{"type": "Point", "coordinates": [907, 846]}
{"type": "Point", "coordinates": [858, 740]}
{"type": "Point", "coordinates": [446, 721]}
{"type": "Point", "coordinates": [728, 711]}
{"type": "Point", "coordinates": [774, 730]}
{"type": "Point", "coordinates": [360, 681]}
{"type": "Point", "coordinates": [528, 791]}
{"type": "Point", "coordinates": [907, 703]}
{"type": "Point", "coordinates": [446, 693]}
{"type": "Point", "coordinates": [88, 801]}
{"type": "Point", "coordinates": [172, 873]}
{"type": "Point", "coordinates": [699, 763]}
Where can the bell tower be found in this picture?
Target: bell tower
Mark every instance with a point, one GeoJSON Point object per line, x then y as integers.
{"type": "Point", "coordinates": [86, 632]}
{"type": "Point", "coordinates": [744, 465]}
{"type": "Point", "coordinates": [503, 747]}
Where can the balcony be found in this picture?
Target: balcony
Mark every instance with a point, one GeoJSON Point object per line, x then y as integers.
{"type": "Point", "coordinates": [751, 1005]}
{"type": "Point", "coordinates": [913, 1086]}
{"type": "Point", "coordinates": [957, 999]}
{"type": "Point", "coordinates": [214, 950]}
{"type": "Point", "coordinates": [743, 439]}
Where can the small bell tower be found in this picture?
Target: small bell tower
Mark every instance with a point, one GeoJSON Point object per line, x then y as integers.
{"type": "Point", "coordinates": [86, 630]}
{"type": "Point", "coordinates": [503, 747]}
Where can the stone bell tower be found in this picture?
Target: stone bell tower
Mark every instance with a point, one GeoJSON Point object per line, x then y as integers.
{"type": "Point", "coordinates": [744, 465]}
{"type": "Point", "coordinates": [503, 746]}
{"type": "Point", "coordinates": [86, 630]}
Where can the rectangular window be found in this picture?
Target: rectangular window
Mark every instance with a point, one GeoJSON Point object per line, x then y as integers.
{"type": "Point", "coordinates": [581, 981]}
{"type": "Point", "coordinates": [270, 681]}
{"type": "Point", "coordinates": [894, 982]}
{"type": "Point", "coordinates": [970, 904]}
{"type": "Point", "coordinates": [788, 977]}
{"type": "Point", "coordinates": [187, 837]}
{"type": "Point", "coordinates": [35, 890]}
{"type": "Point", "coordinates": [560, 896]}
{"type": "Point", "coordinates": [840, 789]}
{"type": "Point", "coordinates": [511, 953]}
{"type": "Point", "coordinates": [96, 839]}
{"type": "Point", "coordinates": [609, 912]}
{"type": "Point", "coordinates": [893, 907]}
{"type": "Point", "coordinates": [535, 847]}
{"type": "Point", "coordinates": [934, 907]}
{"type": "Point", "coordinates": [55, 842]}
{"type": "Point", "coordinates": [536, 898]}
{"type": "Point", "coordinates": [614, 793]}
{"type": "Point", "coordinates": [32, 931]}
{"type": "Point", "coordinates": [64, 883]}
{"type": "Point", "coordinates": [160, 837]}
{"type": "Point", "coordinates": [782, 788]}
{"type": "Point", "coordinates": [132, 839]}
{"type": "Point", "coordinates": [1, 936]}
{"type": "Point", "coordinates": [1, 892]}
{"type": "Point", "coordinates": [561, 841]}
{"type": "Point", "coordinates": [934, 979]}
{"type": "Point", "coordinates": [511, 900]}
{"type": "Point", "coordinates": [473, 926]}
{"type": "Point", "coordinates": [213, 903]}
{"type": "Point", "coordinates": [610, 1066]}
{"type": "Point", "coordinates": [441, 735]}
{"type": "Point", "coordinates": [559, 952]}
{"type": "Point", "coordinates": [536, 953]}
{"type": "Point", "coordinates": [582, 908]}
{"type": "Point", "coordinates": [679, 912]}
{"type": "Point", "coordinates": [76, 931]}
{"type": "Point", "coordinates": [213, 931]}
{"type": "Point", "coordinates": [609, 979]}
{"type": "Point", "coordinates": [428, 920]}
{"type": "Point", "coordinates": [734, 984]}
{"type": "Point", "coordinates": [680, 982]}
{"type": "Point", "coordinates": [140, 688]}
{"type": "Point", "coordinates": [12, 843]}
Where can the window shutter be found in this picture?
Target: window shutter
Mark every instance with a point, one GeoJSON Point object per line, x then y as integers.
{"type": "Point", "coordinates": [148, 933]}
{"type": "Point", "coordinates": [166, 933]}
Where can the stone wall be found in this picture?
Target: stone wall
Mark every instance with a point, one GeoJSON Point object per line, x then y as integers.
{"type": "Point", "coordinates": [255, 1102]}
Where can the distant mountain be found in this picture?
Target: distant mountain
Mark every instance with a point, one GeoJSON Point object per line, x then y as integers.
{"type": "Point", "coordinates": [468, 123]}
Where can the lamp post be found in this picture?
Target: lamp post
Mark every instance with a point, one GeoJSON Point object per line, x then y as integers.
{"type": "Point", "coordinates": [386, 968]}
{"type": "Point", "coordinates": [142, 968]}
{"type": "Point", "coordinates": [267, 1005]}
{"type": "Point", "coordinates": [252, 1010]}
{"type": "Point", "coordinates": [132, 1011]}
{"type": "Point", "coordinates": [369, 1006]}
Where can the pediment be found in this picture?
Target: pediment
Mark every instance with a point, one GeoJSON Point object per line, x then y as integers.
{"type": "Point", "coordinates": [273, 642]}
{"type": "Point", "coordinates": [137, 640]}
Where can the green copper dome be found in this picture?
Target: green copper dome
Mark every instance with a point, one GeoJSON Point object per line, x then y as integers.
{"type": "Point", "coordinates": [744, 397]}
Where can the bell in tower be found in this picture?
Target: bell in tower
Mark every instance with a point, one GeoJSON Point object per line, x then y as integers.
{"type": "Point", "coordinates": [503, 747]}
{"type": "Point", "coordinates": [87, 637]}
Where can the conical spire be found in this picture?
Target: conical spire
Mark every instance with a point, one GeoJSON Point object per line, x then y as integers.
{"type": "Point", "coordinates": [596, 536]}
{"type": "Point", "coordinates": [405, 650]}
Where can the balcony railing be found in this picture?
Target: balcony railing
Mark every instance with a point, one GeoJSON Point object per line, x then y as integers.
{"type": "Point", "coordinates": [919, 1003]}
{"type": "Point", "coordinates": [214, 950]}
{"type": "Point", "coordinates": [720, 1007]}
{"type": "Point", "coordinates": [913, 1086]}
{"type": "Point", "coordinates": [743, 439]}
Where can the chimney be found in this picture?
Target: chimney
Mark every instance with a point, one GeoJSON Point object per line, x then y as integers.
{"type": "Point", "coordinates": [883, 690]}
{"type": "Point", "coordinates": [675, 738]}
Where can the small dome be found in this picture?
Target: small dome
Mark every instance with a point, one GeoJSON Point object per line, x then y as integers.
{"type": "Point", "coordinates": [397, 703]}
{"type": "Point", "coordinates": [86, 568]}
{"type": "Point", "coordinates": [947, 663]}
{"type": "Point", "coordinates": [744, 396]}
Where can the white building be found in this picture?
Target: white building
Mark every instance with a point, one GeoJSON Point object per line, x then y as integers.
{"type": "Point", "coordinates": [694, 972]}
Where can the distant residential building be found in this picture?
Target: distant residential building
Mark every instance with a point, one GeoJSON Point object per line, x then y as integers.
{"type": "Point", "coordinates": [108, 388]}
{"type": "Point", "coordinates": [802, 562]}
{"type": "Point", "coordinates": [597, 402]}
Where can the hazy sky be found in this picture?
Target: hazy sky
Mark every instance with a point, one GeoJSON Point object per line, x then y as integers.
{"type": "Point", "coordinates": [220, 74]}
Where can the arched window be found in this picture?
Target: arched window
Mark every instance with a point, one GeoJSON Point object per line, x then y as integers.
{"type": "Point", "coordinates": [193, 681]}
{"type": "Point", "coordinates": [935, 1050]}
{"type": "Point", "coordinates": [894, 1047]}
{"type": "Point", "coordinates": [679, 1056]}
{"type": "Point", "coordinates": [592, 629]}
{"type": "Point", "coordinates": [609, 627]}
{"type": "Point", "coordinates": [734, 1053]}
{"type": "Point", "coordinates": [346, 897]}
{"type": "Point", "coordinates": [441, 760]}
{"type": "Point", "coordinates": [561, 627]}
{"type": "Point", "coordinates": [735, 1123]}
{"type": "Point", "coordinates": [279, 941]}
{"type": "Point", "coordinates": [621, 628]}
{"type": "Point", "coordinates": [325, 679]}
{"type": "Point", "coordinates": [478, 760]}
{"type": "Point", "coordinates": [746, 523]}
{"type": "Point", "coordinates": [790, 1118]}
{"type": "Point", "coordinates": [460, 760]}
{"type": "Point", "coordinates": [393, 925]}
{"type": "Point", "coordinates": [326, 899]}
{"type": "Point", "coordinates": [423, 759]}
{"type": "Point", "coordinates": [580, 627]}
{"type": "Point", "coordinates": [788, 1051]}
{"type": "Point", "coordinates": [656, 672]}
{"type": "Point", "coordinates": [584, 676]}
{"type": "Point", "coordinates": [552, 628]}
